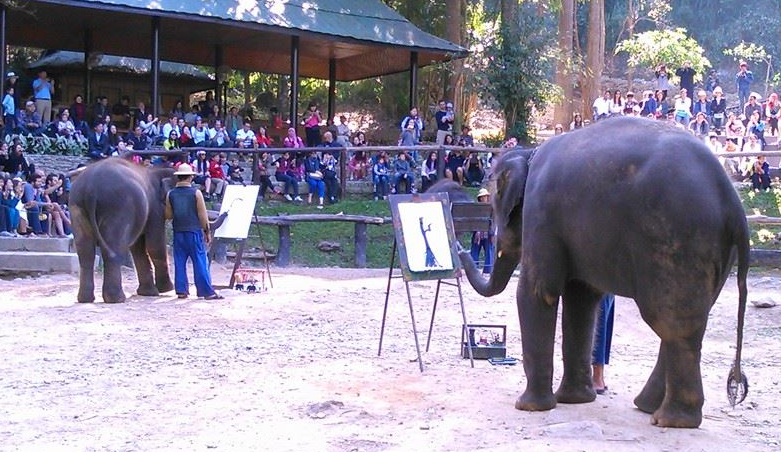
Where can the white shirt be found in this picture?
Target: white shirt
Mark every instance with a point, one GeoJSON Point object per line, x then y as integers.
{"type": "Point", "coordinates": [602, 106]}
{"type": "Point", "coordinates": [168, 128]}
{"type": "Point", "coordinates": [247, 138]}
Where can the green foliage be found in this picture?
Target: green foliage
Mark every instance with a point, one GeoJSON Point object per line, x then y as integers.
{"type": "Point", "coordinates": [762, 203]}
{"type": "Point", "coordinates": [747, 51]}
{"type": "Point", "coordinates": [671, 47]}
{"type": "Point", "coordinates": [50, 146]}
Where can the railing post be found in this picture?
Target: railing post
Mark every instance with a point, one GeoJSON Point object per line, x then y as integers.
{"type": "Point", "coordinates": [343, 171]}
{"type": "Point", "coordinates": [283, 254]}
{"type": "Point", "coordinates": [255, 169]}
{"type": "Point", "coordinates": [440, 163]}
{"type": "Point", "coordinates": [361, 241]}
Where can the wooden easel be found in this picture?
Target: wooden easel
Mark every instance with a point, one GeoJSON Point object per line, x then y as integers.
{"type": "Point", "coordinates": [240, 254]}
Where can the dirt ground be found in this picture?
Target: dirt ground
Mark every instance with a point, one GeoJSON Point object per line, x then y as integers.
{"type": "Point", "coordinates": [296, 369]}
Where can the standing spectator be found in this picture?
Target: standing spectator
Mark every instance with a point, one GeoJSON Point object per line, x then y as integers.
{"type": "Point", "coordinates": [428, 174]}
{"type": "Point", "coordinates": [683, 106]}
{"type": "Point", "coordinates": [760, 174]}
{"type": "Point", "coordinates": [616, 104]}
{"type": "Point", "coordinates": [601, 106]}
{"type": "Point", "coordinates": [483, 240]}
{"type": "Point", "coordinates": [10, 82]}
{"type": "Point", "coordinates": [465, 139]}
{"type": "Point", "coordinates": [43, 89]}
{"type": "Point", "coordinates": [184, 205]}
{"type": "Point", "coordinates": [287, 173]}
{"type": "Point", "coordinates": [343, 132]}
{"type": "Point", "coordinates": [473, 170]}
{"type": "Point", "coordinates": [402, 172]}
{"type": "Point", "coordinates": [330, 177]}
{"type": "Point", "coordinates": [380, 176]}
{"type": "Point", "coordinates": [718, 108]}
{"type": "Point", "coordinates": [444, 118]}
{"type": "Point", "coordinates": [411, 128]}
{"type": "Point", "coordinates": [712, 81]}
{"type": "Point", "coordinates": [98, 143]}
{"type": "Point", "coordinates": [122, 110]}
{"type": "Point", "coordinates": [772, 113]}
{"type": "Point", "coordinates": [662, 80]}
{"type": "Point", "coordinates": [686, 75]}
{"type": "Point", "coordinates": [312, 120]}
{"type": "Point", "coordinates": [9, 111]}
{"type": "Point", "coordinates": [603, 336]}
{"type": "Point", "coordinates": [743, 80]}
{"type": "Point", "coordinates": [233, 122]}
{"type": "Point", "coordinates": [454, 166]}
{"type": "Point", "coordinates": [702, 105]}
{"type": "Point", "coordinates": [276, 118]}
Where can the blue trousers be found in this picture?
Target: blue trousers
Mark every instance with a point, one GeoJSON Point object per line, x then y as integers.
{"type": "Point", "coordinates": [191, 245]}
{"type": "Point", "coordinates": [484, 244]}
{"type": "Point", "coordinates": [603, 333]}
{"type": "Point", "coordinates": [316, 186]}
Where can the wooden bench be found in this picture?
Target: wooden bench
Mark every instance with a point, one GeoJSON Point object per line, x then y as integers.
{"type": "Point", "coordinates": [471, 217]}
{"type": "Point", "coordinates": [284, 222]}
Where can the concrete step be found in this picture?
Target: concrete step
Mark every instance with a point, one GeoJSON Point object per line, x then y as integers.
{"type": "Point", "coordinates": [36, 261]}
{"type": "Point", "coordinates": [42, 245]}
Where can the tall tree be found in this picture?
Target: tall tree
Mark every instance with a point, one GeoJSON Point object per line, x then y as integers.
{"type": "Point", "coordinates": [454, 26]}
{"type": "Point", "coordinates": [595, 55]}
{"type": "Point", "coordinates": [564, 79]}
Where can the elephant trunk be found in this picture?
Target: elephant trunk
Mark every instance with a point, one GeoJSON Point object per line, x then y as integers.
{"type": "Point", "coordinates": [503, 269]}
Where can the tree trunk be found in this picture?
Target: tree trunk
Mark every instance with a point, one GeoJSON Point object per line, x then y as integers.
{"type": "Point", "coordinates": [283, 88]}
{"type": "Point", "coordinates": [563, 112]}
{"type": "Point", "coordinates": [453, 32]}
{"type": "Point", "coordinates": [631, 21]}
{"type": "Point", "coordinates": [595, 55]}
{"type": "Point", "coordinates": [247, 90]}
{"type": "Point", "coordinates": [509, 10]}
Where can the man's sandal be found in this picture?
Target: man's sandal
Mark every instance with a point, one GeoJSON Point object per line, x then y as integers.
{"type": "Point", "coordinates": [214, 297]}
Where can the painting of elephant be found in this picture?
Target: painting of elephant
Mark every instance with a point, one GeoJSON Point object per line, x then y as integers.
{"type": "Point", "coordinates": [120, 207]}
{"type": "Point", "coordinates": [627, 206]}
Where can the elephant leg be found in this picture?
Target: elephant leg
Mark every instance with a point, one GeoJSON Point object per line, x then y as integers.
{"type": "Point", "coordinates": [146, 282]}
{"type": "Point", "coordinates": [156, 248]}
{"type": "Point", "coordinates": [684, 397]}
{"type": "Point", "coordinates": [538, 328]}
{"type": "Point", "coordinates": [652, 395]}
{"type": "Point", "coordinates": [85, 245]}
{"type": "Point", "coordinates": [578, 321]}
{"type": "Point", "coordinates": [112, 277]}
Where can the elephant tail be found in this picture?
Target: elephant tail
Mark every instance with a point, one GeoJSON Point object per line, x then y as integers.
{"type": "Point", "coordinates": [91, 213]}
{"type": "Point", "coordinates": [736, 375]}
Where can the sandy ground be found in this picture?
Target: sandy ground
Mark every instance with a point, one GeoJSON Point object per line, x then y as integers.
{"type": "Point", "coordinates": [296, 369]}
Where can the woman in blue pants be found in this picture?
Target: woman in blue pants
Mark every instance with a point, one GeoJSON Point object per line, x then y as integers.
{"type": "Point", "coordinates": [600, 355]}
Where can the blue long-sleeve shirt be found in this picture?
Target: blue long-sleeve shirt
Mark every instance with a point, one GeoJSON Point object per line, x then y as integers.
{"type": "Point", "coordinates": [9, 107]}
{"type": "Point", "coordinates": [744, 80]}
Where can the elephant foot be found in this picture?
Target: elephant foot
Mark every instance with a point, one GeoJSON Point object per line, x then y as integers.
{"type": "Point", "coordinates": [535, 402]}
{"type": "Point", "coordinates": [677, 418]}
{"type": "Point", "coordinates": [79, 299]}
{"type": "Point", "coordinates": [114, 298]}
{"type": "Point", "coordinates": [648, 402]}
{"type": "Point", "coordinates": [165, 286]}
{"type": "Point", "coordinates": [149, 291]}
{"type": "Point", "coordinates": [571, 393]}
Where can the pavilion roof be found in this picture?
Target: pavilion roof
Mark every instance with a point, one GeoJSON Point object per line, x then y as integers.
{"type": "Point", "coordinates": [365, 37]}
{"type": "Point", "coordinates": [113, 63]}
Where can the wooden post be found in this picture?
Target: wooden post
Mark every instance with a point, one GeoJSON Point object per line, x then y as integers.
{"type": "Point", "coordinates": [255, 170]}
{"type": "Point", "coordinates": [343, 171]}
{"type": "Point", "coordinates": [155, 72]}
{"type": "Point", "coordinates": [218, 85]}
{"type": "Point", "coordinates": [332, 89]}
{"type": "Point", "coordinates": [3, 47]}
{"type": "Point", "coordinates": [294, 82]}
{"type": "Point", "coordinates": [413, 80]}
{"type": "Point", "coordinates": [440, 163]}
{"type": "Point", "coordinates": [87, 71]}
{"type": "Point", "coordinates": [361, 241]}
{"type": "Point", "coordinates": [283, 254]}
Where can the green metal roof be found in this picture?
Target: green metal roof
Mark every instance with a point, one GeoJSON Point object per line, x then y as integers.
{"type": "Point", "coordinates": [362, 20]}
{"type": "Point", "coordinates": [112, 63]}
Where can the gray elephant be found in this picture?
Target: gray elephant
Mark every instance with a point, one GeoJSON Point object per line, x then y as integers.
{"type": "Point", "coordinates": [120, 206]}
{"type": "Point", "coordinates": [627, 206]}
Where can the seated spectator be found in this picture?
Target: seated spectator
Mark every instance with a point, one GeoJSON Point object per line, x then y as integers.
{"type": "Point", "coordinates": [330, 177]}
{"type": "Point", "coordinates": [65, 126]}
{"type": "Point", "coordinates": [287, 172]}
{"type": "Point", "coordinates": [264, 141]}
{"type": "Point", "coordinates": [215, 113]}
{"type": "Point", "coordinates": [245, 138]}
{"type": "Point", "coordinates": [217, 175]}
{"type": "Point", "coordinates": [465, 139]}
{"type": "Point", "coordinates": [448, 140]}
{"type": "Point", "coordinates": [15, 164]}
{"type": "Point", "coordinates": [699, 126]}
{"type": "Point", "coordinates": [292, 140]}
{"type": "Point", "coordinates": [266, 169]}
{"type": "Point", "coordinates": [98, 143]}
{"type": "Point", "coordinates": [329, 142]}
{"type": "Point", "coordinates": [411, 129]}
{"type": "Point", "coordinates": [138, 140]}
{"type": "Point", "coordinates": [54, 195]}
{"type": "Point", "coordinates": [734, 128]}
{"type": "Point", "coordinates": [731, 164]}
{"type": "Point", "coordinates": [200, 133]}
{"type": "Point", "coordinates": [24, 226]}
{"type": "Point", "coordinates": [428, 174]}
{"type": "Point", "coordinates": [151, 128]}
{"type": "Point", "coordinates": [760, 174]}
{"type": "Point", "coordinates": [11, 207]}
{"type": "Point", "coordinates": [234, 172]}
{"type": "Point", "coordinates": [473, 167]}
{"type": "Point", "coordinates": [558, 129]}
{"type": "Point", "coordinates": [702, 104]}
{"type": "Point", "coordinates": [34, 204]}
{"type": "Point", "coordinates": [276, 118]}
{"type": "Point", "coordinates": [756, 127]}
{"type": "Point", "coordinates": [718, 108]}
{"type": "Point", "coordinates": [343, 132]}
{"type": "Point", "coordinates": [380, 178]}
{"type": "Point", "coordinates": [660, 105]}
{"type": "Point", "coordinates": [454, 166]}
{"type": "Point", "coordinates": [186, 140]}
{"type": "Point", "coordinates": [218, 136]}
{"type": "Point", "coordinates": [78, 113]}
{"type": "Point", "coordinates": [402, 172]}
{"type": "Point", "coordinates": [113, 138]}
{"type": "Point", "coordinates": [172, 142]}
{"type": "Point", "coordinates": [100, 110]}
{"type": "Point", "coordinates": [191, 117]}
{"type": "Point", "coordinates": [714, 144]}
{"type": "Point", "coordinates": [616, 104]}
{"type": "Point", "coordinates": [358, 164]}
{"type": "Point", "coordinates": [202, 175]}
{"type": "Point", "coordinates": [362, 139]}
{"type": "Point", "coordinates": [577, 122]}
{"type": "Point", "coordinates": [30, 121]}
{"type": "Point", "coordinates": [122, 110]}
{"type": "Point", "coordinates": [601, 106]}
{"type": "Point", "coordinates": [752, 145]}
{"type": "Point", "coordinates": [178, 110]}
{"type": "Point", "coordinates": [171, 125]}
{"type": "Point", "coordinates": [772, 113]}
{"type": "Point", "coordinates": [683, 106]}
{"type": "Point", "coordinates": [630, 103]}
{"type": "Point", "coordinates": [752, 106]}
{"type": "Point", "coordinates": [313, 174]}
{"type": "Point", "coordinates": [233, 122]}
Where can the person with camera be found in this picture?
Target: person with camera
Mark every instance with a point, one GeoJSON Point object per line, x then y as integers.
{"type": "Point", "coordinates": [411, 128]}
{"type": "Point", "coordinates": [43, 88]}
{"type": "Point", "coordinates": [445, 118]}
{"type": "Point", "coordinates": [743, 79]}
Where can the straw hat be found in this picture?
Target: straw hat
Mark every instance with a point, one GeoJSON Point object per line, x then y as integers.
{"type": "Point", "coordinates": [483, 192]}
{"type": "Point", "coordinates": [184, 170]}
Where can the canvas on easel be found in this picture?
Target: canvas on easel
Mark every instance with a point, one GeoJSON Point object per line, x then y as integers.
{"type": "Point", "coordinates": [426, 244]}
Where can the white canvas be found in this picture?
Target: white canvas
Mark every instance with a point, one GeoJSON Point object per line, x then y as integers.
{"type": "Point", "coordinates": [433, 222]}
{"type": "Point", "coordinates": [239, 201]}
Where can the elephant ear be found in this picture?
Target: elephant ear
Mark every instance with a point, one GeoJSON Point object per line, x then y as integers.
{"type": "Point", "coordinates": [510, 176]}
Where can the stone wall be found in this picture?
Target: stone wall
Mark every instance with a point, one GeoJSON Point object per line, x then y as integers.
{"type": "Point", "coordinates": [55, 163]}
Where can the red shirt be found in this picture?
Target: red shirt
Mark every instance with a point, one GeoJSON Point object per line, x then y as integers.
{"type": "Point", "coordinates": [215, 170]}
{"type": "Point", "coordinates": [264, 141]}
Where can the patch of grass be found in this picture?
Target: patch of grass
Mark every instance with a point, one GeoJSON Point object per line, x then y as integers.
{"type": "Point", "coordinates": [763, 203]}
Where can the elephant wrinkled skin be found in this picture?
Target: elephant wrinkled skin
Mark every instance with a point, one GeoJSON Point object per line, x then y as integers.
{"type": "Point", "coordinates": [120, 206]}
{"type": "Point", "coordinates": [626, 206]}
